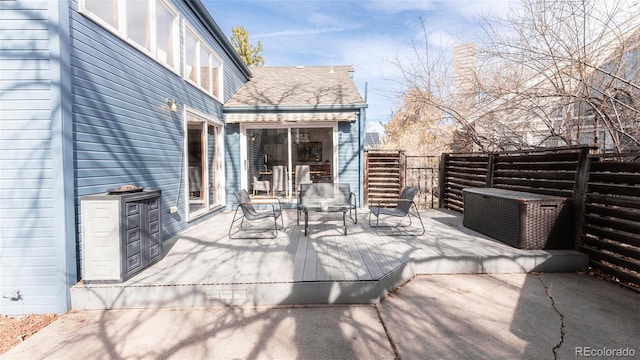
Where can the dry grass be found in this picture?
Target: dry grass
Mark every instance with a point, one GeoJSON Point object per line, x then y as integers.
{"type": "Point", "coordinates": [14, 330]}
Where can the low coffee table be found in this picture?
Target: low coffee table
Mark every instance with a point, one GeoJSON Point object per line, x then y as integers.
{"type": "Point", "coordinates": [319, 207]}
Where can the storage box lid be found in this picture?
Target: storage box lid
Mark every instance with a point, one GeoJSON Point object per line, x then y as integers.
{"type": "Point", "coordinates": [511, 194]}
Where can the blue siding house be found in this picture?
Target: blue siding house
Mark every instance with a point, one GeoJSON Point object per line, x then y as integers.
{"type": "Point", "coordinates": [98, 94]}
{"type": "Point", "coordinates": [290, 118]}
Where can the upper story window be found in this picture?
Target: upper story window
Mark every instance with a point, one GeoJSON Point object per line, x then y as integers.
{"type": "Point", "coordinates": [201, 66]}
{"type": "Point", "coordinates": [149, 25]}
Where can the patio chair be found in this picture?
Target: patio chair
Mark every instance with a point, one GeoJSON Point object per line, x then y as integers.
{"type": "Point", "coordinates": [303, 175]}
{"type": "Point", "coordinates": [250, 213]}
{"type": "Point", "coordinates": [402, 209]}
{"type": "Point", "coordinates": [279, 179]}
{"type": "Point", "coordinates": [261, 185]}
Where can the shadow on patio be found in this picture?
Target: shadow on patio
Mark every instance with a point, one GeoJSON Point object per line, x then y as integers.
{"type": "Point", "coordinates": [204, 267]}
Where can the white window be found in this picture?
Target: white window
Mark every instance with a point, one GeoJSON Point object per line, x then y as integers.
{"type": "Point", "coordinates": [149, 25]}
{"type": "Point", "coordinates": [108, 11]}
{"type": "Point", "coordinates": [201, 65]}
{"type": "Point", "coordinates": [204, 155]}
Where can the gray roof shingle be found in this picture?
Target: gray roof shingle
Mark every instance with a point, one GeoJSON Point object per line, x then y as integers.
{"type": "Point", "coordinates": [284, 86]}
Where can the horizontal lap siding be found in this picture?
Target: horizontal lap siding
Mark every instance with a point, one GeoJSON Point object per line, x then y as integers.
{"type": "Point", "coordinates": [28, 254]}
{"type": "Point", "coordinates": [349, 157]}
{"type": "Point", "coordinates": [113, 98]}
{"type": "Point", "coordinates": [123, 131]}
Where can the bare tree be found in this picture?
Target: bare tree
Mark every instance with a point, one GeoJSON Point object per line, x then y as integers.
{"type": "Point", "coordinates": [418, 128]}
{"type": "Point", "coordinates": [554, 72]}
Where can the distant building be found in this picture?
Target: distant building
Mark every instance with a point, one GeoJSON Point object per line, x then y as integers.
{"type": "Point", "coordinates": [603, 110]}
{"type": "Point", "coordinates": [372, 141]}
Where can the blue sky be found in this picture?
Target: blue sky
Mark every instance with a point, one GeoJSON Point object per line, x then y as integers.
{"type": "Point", "coordinates": [366, 34]}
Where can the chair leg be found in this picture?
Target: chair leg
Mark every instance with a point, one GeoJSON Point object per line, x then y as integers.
{"type": "Point", "coordinates": [344, 222]}
{"type": "Point", "coordinates": [306, 223]}
{"type": "Point", "coordinates": [234, 220]}
{"type": "Point", "coordinates": [275, 225]}
{"type": "Point", "coordinates": [377, 219]}
{"type": "Point", "coordinates": [419, 218]}
{"type": "Point", "coordinates": [417, 214]}
{"type": "Point", "coordinates": [355, 209]}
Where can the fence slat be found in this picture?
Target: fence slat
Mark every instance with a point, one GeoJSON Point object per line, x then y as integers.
{"type": "Point", "coordinates": [615, 178]}
{"type": "Point", "coordinates": [628, 202]}
{"type": "Point", "coordinates": [620, 261]}
{"type": "Point", "coordinates": [611, 166]}
{"type": "Point", "coordinates": [613, 223]}
{"type": "Point", "coordinates": [604, 189]}
{"type": "Point", "coordinates": [612, 247]}
{"type": "Point", "coordinates": [612, 212]}
{"type": "Point", "coordinates": [614, 189]}
{"type": "Point", "coordinates": [608, 234]}
{"type": "Point", "coordinates": [622, 275]}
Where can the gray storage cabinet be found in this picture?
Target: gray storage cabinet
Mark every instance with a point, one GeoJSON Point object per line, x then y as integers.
{"type": "Point", "coordinates": [120, 235]}
{"type": "Point", "coordinates": [520, 219]}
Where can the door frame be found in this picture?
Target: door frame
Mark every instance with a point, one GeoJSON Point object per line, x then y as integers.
{"type": "Point", "coordinates": [244, 181]}
{"type": "Point", "coordinates": [205, 120]}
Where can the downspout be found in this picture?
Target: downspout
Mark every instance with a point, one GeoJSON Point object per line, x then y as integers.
{"type": "Point", "coordinates": [65, 231]}
{"type": "Point", "coordinates": [361, 135]}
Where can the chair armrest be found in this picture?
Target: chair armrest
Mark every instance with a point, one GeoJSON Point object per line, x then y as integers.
{"type": "Point", "coordinates": [352, 195]}
{"type": "Point", "coordinates": [265, 202]}
{"type": "Point", "coordinates": [371, 203]}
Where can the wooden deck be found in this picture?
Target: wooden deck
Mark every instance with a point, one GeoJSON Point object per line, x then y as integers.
{"type": "Point", "coordinates": [204, 267]}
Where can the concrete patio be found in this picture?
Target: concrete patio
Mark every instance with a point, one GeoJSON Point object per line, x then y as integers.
{"type": "Point", "coordinates": [203, 267]}
{"type": "Point", "coordinates": [496, 316]}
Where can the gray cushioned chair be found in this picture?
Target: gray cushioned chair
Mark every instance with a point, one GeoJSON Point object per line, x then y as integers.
{"type": "Point", "coordinates": [261, 185]}
{"type": "Point", "coordinates": [250, 213]}
{"type": "Point", "coordinates": [402, 209]}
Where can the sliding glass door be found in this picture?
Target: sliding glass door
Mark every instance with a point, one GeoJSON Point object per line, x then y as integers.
{"type": "Point", "coordinates": [204, 165]}
{"type": "Point", "coordinates": [277, 155]}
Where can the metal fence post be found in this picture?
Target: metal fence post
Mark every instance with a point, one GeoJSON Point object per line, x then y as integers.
{"type": "Point", "coordinates": [441, 180]}
{"type": "Point", "coordinates": [490, 164]}
{"type": "Point", "coordinates": [579, 194]}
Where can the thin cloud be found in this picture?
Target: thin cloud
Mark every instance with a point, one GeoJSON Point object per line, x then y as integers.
{"type": "Point", "coordinates": [300, 32]}
{"type": "Point", "coordinates": [395, 6]}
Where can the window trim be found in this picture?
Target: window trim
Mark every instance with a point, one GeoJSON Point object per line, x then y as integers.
{"type": "Point", "coordinates": [205, 120]}
{"type": "Point", "coordinates": [122, 32]}
{"type": "Point", "coordinates": [217, 92]}
{"type": "Point", "coordinates": [333, 125]}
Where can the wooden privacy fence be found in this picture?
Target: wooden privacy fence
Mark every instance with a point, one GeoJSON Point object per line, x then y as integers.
{"type": "Point", "coordinates": [610, 226]}
{"type": "Point", "coordinates": [604, 189]}
{"type": "Point", "coordinates": [387, 172]}
{"type": "Point", "coordinates": [383, 176]}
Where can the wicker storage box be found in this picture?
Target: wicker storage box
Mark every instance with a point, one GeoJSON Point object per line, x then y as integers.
{"type": "Point", "coordinates": [520, 219]}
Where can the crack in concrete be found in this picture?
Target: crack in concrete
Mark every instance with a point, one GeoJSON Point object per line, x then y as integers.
{"type": "Point", "coordinates": [553, 305]}
{"type": "Point", "coordinates": [386, 331]}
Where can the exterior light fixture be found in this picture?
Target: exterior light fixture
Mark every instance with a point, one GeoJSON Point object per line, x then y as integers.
{"type": "Point", "coordinates": [172, 104]}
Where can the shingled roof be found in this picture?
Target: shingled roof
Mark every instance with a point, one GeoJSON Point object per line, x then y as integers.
{"type": "Point", "coordinates": [280, 87]}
